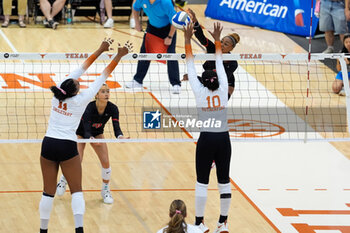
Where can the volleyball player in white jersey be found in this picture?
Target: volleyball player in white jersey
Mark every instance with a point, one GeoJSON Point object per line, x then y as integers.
{"type": "Point", "coordinates": [59, 146]}
{"type": "Point", "coordinates": [92, 124]}
{"type": "Point", "coordinates": [213, 143]}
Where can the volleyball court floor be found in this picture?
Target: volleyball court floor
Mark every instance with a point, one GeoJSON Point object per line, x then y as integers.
{"type": "Point", "coordinates": [277, 186]}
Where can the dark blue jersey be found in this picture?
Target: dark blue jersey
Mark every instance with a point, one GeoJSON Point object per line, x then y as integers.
{"type": "Point", "coordinates": [92, 123]}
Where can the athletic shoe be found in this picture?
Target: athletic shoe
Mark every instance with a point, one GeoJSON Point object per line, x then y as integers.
{"type": "Point", "coordinates": [203, 228]}
{"type": "Point", "coordinates": [221, 228]}
{"type": "Point", "coordinates": [61, 186]}
{"type": "Point", "coordinates": [53, 24]}
{"type": "Point", "coordinates": [176, 89]}
{"type": "Point", "coordinates": [46, 23]}
{"type": "Point", "coordinates": [180, 3]}
{"type": "Point", "coordinates": [107, 197]}
{"type": "Point", "coordinates": [328, 50]}
{"type": "Point", "coordinates": [133, 84]}
{"type": "Point", "coordinates": [132, 22]}
{"type": "Point", "coordinates": [342, 92]}
{"type": "Point", "coordinates": [109, 23]}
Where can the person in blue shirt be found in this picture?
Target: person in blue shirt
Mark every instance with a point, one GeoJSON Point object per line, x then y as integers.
{"type": "Point", "coordinates": [160, 37]}
{"type": "Point", "coordinates": [338, 85]}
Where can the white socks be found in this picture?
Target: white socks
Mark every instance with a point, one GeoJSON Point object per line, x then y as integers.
{"type": "Point", "coordinates": [45, 207]}
{"type": "Point", "coordinates": [201, 194]}
{"type": "Point", "coordinates": [225, 198]}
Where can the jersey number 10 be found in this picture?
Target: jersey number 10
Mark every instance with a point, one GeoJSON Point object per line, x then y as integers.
{"type": "Point", "coordinates": [215, 100]}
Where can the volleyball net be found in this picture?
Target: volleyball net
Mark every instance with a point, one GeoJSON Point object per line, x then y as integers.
{"type": "Point", "coordinates": [276, 97]}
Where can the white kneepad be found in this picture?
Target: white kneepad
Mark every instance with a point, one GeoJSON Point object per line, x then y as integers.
{"type": "Point", "coordinates": [201, 190]}
{"type": "Point", "coordinates": [78, 203]}
{"type": "Point", "coordinates": [224, 188]}
{"type": "Point", "coordinates": [45, 207]}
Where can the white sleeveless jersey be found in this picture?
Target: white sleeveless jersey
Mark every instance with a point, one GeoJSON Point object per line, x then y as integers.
{"type": "Point", "coordinates": [65, 116]}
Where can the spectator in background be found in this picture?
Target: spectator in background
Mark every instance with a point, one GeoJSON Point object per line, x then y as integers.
{"type": "Point", "coordinates": [132, 19]}
{"type": "Point", "coordinates": [177, 224]}
{"type": "Point", "coordinates": [7, 6]}
{"type": "Point", "coordinates": [160, 37]}
{"type": "Point", "coordinates": [333, 17]}
{"type": "Point", "coordinates": [50, 11]}
{"type": "Point", "coordinates": [109, 8]}
{"type": "Point", "coordinates": [338, 85]}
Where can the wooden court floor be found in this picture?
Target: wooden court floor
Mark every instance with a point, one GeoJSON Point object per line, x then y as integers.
{"type": "Point", "coordinates": [146, 177]}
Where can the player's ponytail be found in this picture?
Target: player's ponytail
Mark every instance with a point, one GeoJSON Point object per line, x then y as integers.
{"type": "Point", "coordinates": [67, 89]}
{"type": "Point", "coordinates": [177, 214]}
{"type": "Point", "coordinates": [210, 80]}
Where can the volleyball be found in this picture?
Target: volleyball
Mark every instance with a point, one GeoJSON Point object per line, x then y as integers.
{"type": "Point", "coordinates": [181, 19]}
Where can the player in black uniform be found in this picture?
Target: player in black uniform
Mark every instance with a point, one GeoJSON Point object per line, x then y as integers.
{"type": "Point", "coordinates": [92, 124]}
{"type": "Point", "coordinates": [228, 43]}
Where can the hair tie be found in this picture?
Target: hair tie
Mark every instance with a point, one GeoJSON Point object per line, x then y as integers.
{"type": "Point", "coordinates": [178, 212]}
{"type": "Point", "coordinates": [63, 92]}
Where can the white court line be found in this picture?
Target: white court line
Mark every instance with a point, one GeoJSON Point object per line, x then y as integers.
{"type": "Point", "coordinates": [8, 41]}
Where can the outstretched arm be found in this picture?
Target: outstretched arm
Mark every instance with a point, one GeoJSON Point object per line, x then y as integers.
{"type": "Point", "coordinates": [192, 75]}
{"type": "Point", "coordinates": [96, 85]}
{"type": "Point", "coordinates": [105, 46]}
{"type": "Point", "coordinates": [220, 70]}
{"type": "Point", "coordinates": [199, 33]}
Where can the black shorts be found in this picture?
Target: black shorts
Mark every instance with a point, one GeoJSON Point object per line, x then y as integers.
{"type": "Point", "coordinates": [58, 149]}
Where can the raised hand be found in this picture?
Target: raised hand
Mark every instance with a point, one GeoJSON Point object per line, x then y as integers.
{"type": "Point", "coordinates": [192, 15]}
{"type": "Point", "coordinates": [216, 33]}
{"type": "Point", "coordinates": [122, 51]}
{"type": "Point", "coordinates": [188, 32]}
{"type": "Point", "coordinates": [105, 45]}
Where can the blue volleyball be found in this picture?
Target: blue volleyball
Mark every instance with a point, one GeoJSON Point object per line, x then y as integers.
{"type": "Point", "coordinates": [181, 19]}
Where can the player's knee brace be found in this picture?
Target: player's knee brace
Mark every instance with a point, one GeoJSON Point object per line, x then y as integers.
{"type": "Point", "coordinates": [225, 190]}
{"type": "Point", "coordinates": [106, 173]}
{"type": "Point", "coordinates": [78, 203]}
{"type": "Point", "coordinates": [45, 206]}
{"type": "Point", "coordinates": [201, 190]}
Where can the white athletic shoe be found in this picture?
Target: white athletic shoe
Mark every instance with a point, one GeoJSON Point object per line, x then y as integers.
{"type": "Point", "coordinates": [133, 84]}
{"type": "Point", "coordinates": [176, 89]}
{"type": "Point", "coordinates": [328, 50]}
{"type": "Point", "coordinates": [61, 186]}
{"type": "Point", "coordinates": [203, 228]}
{"type": "Point", "coordinates": [107, 197]}
{"type": "Point", "coordinates": [342, 92]}
{"type": "Point", "coordinates": [221, 228]}
{"type": "Point", "coordinates": [109, 23]}
{"type": "Point", "coordinates": [132, 22]}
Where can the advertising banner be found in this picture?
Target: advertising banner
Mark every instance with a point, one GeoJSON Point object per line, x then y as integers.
{"type": "Point", "coordinates": [288, 16]}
